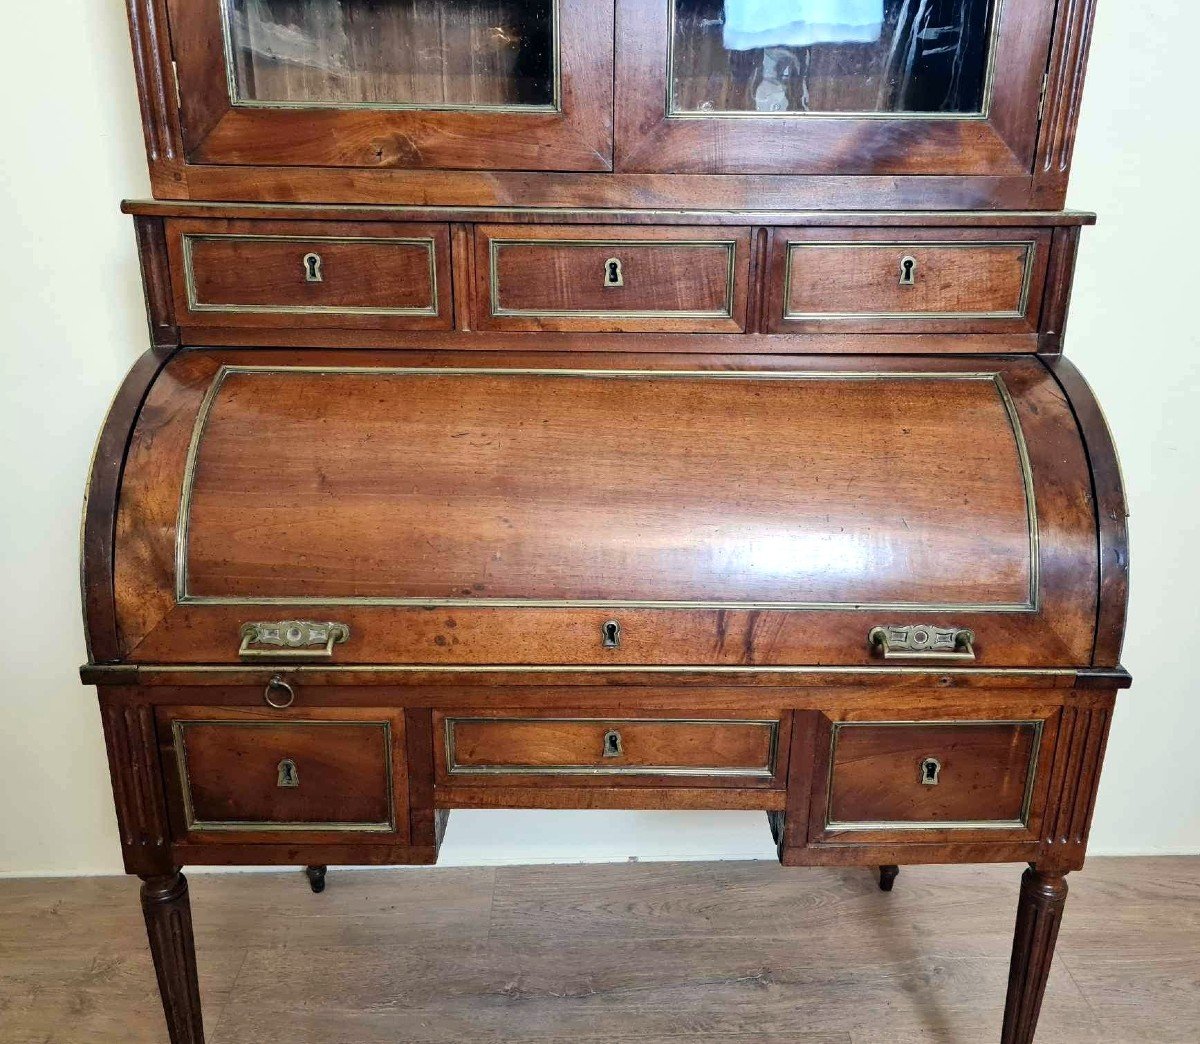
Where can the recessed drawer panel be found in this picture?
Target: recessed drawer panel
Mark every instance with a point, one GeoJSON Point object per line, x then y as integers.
{"type": "Point", "coordinates": [908, 280]}
{"type": "Point", "coordinates": [931, 775]}
{"type": "Point", "coordinates": [313, 772]}
{"type": "Point", "coordinates": [310, 274]}
{"type": "Point", "coordinates": [478, 749]}
{"type": "Point", "coordinates": [602, 278]}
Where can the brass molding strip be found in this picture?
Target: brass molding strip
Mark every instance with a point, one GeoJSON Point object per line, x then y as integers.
{"type": "Point", "coordinates": [184, 597]}
{"type": "Point", "coordinates": [555, 106]}
{"type": "Point", "coordinates": [766, 772]}
{"type": "Point", "coordinates": [196, 305]}
{"type": "Point", "coordinates": [1021, 311]}
{"type": "Point", "coordinates": [123, 670]}
{"type": "Point", "coordinates": [906, 824]}
{"type": "Point", "coordinates": [499, 311]}
{"type": "Point", "coordinates": [371, 211]}
{"type": "Point", "coordinates": [178, 731]}
{"type": "Point", "coordinates": [989, 82]}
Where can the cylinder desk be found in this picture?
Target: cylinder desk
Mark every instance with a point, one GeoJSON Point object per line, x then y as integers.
{"type": "Point", "coordinates": [606, 404]}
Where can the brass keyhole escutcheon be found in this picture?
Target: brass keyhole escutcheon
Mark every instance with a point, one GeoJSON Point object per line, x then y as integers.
{"type": "Point", "coordinates": [908, 271]}
{"type": "Point", "coordinates": [612, 744]}
{"type": "Point", "coordinates": [614, 274]}
{"type": "Point", "coordinates": [612, 634]}
{"type": "Point", "coordinates": [289, 775]}
{"type": "Point", "coordinates": [931, 770]}
{"type": "Point", "coordinates": [312, 269]}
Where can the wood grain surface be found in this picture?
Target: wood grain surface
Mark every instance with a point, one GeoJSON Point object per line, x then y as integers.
{"type": "Point", "coordinates": [564, 492]}
{"type": "Point", "coordinates": [656, 954]}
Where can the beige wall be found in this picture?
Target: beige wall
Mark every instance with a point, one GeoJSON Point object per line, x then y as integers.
{"type": "Point", "coordinates": [71, 323]}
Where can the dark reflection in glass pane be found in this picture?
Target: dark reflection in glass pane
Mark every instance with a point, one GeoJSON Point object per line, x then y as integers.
{"type": "Point", "coordinates": [407, 53]}
{"type": "Point", "coordinates": [831, 56]}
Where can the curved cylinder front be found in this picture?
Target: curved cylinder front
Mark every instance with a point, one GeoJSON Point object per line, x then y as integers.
{"type": "Point", "coordinates": [372, 508]}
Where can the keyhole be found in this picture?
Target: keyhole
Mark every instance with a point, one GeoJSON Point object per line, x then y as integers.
{"type": "Point", "coordinates": [908, 271]}
{"type": "Point", "coordinates": [612, 744]}
{"type": "Point", "coordinates": [312, 268]}
{"type": "Point", "coordinates": [931, 768]}
{"type": "Point", "coordinates": [288, 776]}
{"type": "Point", "coordinates": [612, 634]}
{"type": "Point", "coordinates": [613, 275]}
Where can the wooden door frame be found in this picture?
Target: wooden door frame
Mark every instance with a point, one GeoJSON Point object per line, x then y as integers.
{"type": "Point", "coordinates": [576, 136]}
{"type": "Point", "coordinates": [1002, 143]}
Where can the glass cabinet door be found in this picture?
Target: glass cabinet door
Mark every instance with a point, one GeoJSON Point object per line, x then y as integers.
{"type": "Point", "coordinates": [830, 86]}
{"type": "Point", "coordinates": [499, 84]}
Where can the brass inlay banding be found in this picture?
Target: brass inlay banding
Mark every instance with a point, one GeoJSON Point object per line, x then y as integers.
{"type": "Point", "coordinates": [922, 824]}
{"type": "Point", "coordinates": [989, 81]}
{"type": "Point", "coordinates": [497, 309]}
{"type": "Point", "coordinates": [1020, 312]}
{"type": "Point", "coordinates": [767, 771]}
{"type": "Point", "coordinates": [238, 102]}
{"type": "Point", "coordinates": [179, 733]}
{"type": "Point", "coordinates": [196, 305]}
{"type": "Point", "coordinates": [1032, 604]}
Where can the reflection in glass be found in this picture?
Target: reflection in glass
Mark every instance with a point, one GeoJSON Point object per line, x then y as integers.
{"type": "Point", "coordinates": [392, 53]}
{"type": "Point", "coordinates": [918, 57]}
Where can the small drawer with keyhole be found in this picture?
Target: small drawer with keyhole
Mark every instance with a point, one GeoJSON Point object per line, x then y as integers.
{"type": "Point", "coordinates": [498, 748]}
{"type": "Point", "coordinates": [369, 275]}
{"type": "Point", "coordinates": [618, 278]}
{"type": "Point", "coordinates": [310, 774]}
{"type": "Point", "coordinates": [930, 775]}
{"type": "Point", "coordinates": [906, 280]}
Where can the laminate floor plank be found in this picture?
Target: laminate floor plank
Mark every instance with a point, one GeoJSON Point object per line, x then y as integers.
{"type": "Point", "coordinates": [688, 953]}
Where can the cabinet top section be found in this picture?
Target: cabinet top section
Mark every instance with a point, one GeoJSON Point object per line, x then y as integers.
{"type": "Point", "coordinates": [873, 104]}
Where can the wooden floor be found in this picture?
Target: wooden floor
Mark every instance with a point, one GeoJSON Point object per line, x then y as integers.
{"type": "Point", "coordinates": [693, 953]}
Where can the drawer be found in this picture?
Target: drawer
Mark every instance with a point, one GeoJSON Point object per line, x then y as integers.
{"type": "Point", "coordinates": [243, 771]}
{"type": "Point", "coordinates": [500, 749]}
{"type": "Point", "coordinates": [374, 275]}
{"type": "Point", "coordinates": [608, 278]}
{"type": "Point", "coordinates": [931, 775]}
{"type": "Point", "coordinates": [907, 280]}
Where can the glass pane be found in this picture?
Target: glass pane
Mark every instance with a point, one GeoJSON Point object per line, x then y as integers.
{"type": "Point", "coordinates": [918, 57]}
{"type": "Point", "coordinates": [424, 54]}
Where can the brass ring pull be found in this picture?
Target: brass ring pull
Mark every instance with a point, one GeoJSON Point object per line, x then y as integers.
{"type": "Point", "coordinates": [277, 684]}
{"type": "Point", "coordinates": [922, 642]}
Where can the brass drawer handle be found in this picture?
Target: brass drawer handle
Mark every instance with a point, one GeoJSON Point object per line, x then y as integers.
{"type": "Point", "coordinates": [278, 686]}
{"type": "Point", "coordinates": [292, 639]}
{"type": "Point", "coordinates": [922, 642]}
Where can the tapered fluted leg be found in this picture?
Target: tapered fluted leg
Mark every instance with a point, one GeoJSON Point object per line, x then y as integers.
{"type": "Point", "coordinates": [169, 926]}
{"type": "Point", "coordinates": [1039, 913]}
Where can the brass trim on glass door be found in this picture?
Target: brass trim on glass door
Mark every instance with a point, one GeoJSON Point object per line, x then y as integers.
{"type": "Point", "coordinates": [196, 305]}
{"type": "Point", "coordinates": [554, 106]}
{"type": "Point", "coordinates": [934, 824]}
{"type": "Point", "coordinates": [178, 733]}
{"type": "Point", "coordinates": [989, 81]}
{"type": "Point", "coordinates": [1021, 312]}
{"type": "Point", "coordinates": [498, 311]}
{"type": "Point", "coordinates": [767, 771]}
